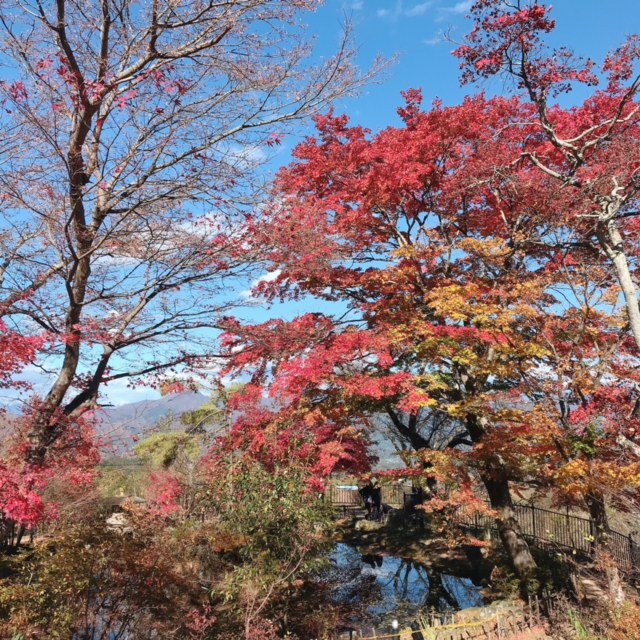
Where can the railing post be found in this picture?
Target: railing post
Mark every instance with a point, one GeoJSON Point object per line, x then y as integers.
{"type": "Point", "coordinates": [533, 520]}
{"type": "Point", "coordinates": [594, 534]}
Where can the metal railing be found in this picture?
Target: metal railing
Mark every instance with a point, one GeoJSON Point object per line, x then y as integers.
{"type": "Point", "coordinates": [575, 533]}
{"type": "Point", "coordinates": [542, 526]}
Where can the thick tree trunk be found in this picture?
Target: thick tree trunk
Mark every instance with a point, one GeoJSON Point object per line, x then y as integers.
{"type": "Point", "coordinates": [496, 481]}
{"type": "Point", "coordinates": [515, 545]}
{"type": "Point", "coordinates": [597, 511]}
{"type": "Point", "coordinates": [409, 431]}
{"type": "Point", "coordinates": [612, 244]}
{"type": "Point", "coordinates": [21, 531]}
{"type": "Point", "coordinates": [79, 237]}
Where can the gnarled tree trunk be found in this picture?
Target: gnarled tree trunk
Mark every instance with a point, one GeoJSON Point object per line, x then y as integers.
{"type": "Point", "coordinates": [496, 481]}
{"type": "Point", "coordinates": [596, 504]}
{"type": "Point", "coordinates": [497, 485]}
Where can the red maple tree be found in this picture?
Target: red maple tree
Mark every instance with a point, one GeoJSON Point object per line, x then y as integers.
{"type": "Point", "coordinates": [467, 252]}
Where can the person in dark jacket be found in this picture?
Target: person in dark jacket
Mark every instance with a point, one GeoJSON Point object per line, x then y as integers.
{"type": "Point", "coordinates": [376, 499]}
{"type": "Point", "coordinates": [366, 493]}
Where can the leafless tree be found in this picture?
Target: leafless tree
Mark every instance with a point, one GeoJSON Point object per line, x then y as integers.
{"type": "Point", "coordinates": [132, 130]}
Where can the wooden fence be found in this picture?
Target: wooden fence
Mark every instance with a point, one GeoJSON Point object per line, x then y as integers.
{"type": "Point", "coordinates": [347, 498]}
{"type": "Point", "coordinates": [487, 624]}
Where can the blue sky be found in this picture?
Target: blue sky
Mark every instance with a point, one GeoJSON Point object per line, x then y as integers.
{"type": "Point", "coordinates": [418, 35]}
{"type": "Point", "coordinates": [414, 31]}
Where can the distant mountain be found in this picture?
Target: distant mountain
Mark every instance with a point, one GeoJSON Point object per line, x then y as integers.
{"type": "Point", "coordinates": [119, 428]}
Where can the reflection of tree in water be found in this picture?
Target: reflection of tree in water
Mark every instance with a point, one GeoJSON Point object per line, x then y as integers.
{"type": "Point", "coordinates": [441, 592]}
{"type": "Point", "coordinates": [372, 560]}
{"type": "Point", "coordinates": [403, 588]}
{"type": "Point", "coordinates": [368, 587]}
{"type": "Point", "coordinates": [348, 583]}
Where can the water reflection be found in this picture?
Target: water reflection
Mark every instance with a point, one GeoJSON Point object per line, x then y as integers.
{"type": "Point", "coordinates": [376, 586]}
{"type": "Point", "coordinates": [372, 560]}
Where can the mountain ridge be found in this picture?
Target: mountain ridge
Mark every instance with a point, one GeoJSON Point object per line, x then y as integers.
{"type": "Point", "coordinates": [119, 427]}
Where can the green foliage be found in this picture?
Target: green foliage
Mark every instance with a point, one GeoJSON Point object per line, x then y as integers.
{"type": "Point", "coordinates": [121, 477]}
{"type": "Point", "coordinates": [52, 596]}
{"type": "Point", "coordinates": [282, 525]}
{"type": "Point", "coordinates": [599, 621]}
{"type": "Point", "coordinates": [228, 565]}
{"type": "Point", "coordinates": [578, 626]}
{"type": "Point", "coordinates": [213, 413]}
{"type": "Point", "coordinates": [165, 449]}
{"type": "Point", "coordinates": [587, 441]}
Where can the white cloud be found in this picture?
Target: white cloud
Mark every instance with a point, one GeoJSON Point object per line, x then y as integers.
{"type": "Point", "coordinates": [38, 381]}
{"type": "Point", "coordinates": [418, 9]}
{"type": "Point", "coordinates": [432, 41]}
{"type": "Point", "coordinates": [265, 277]}
{"type": "Point", "coordinates": [245, 157]}
{"type": "Point", "coordinates": [401, 10]}
{"type": "Point", "coordinates": [268, 277]}
{"type": "Point", "coordinates": [355, 6]}
{"type": "Point", "coordinates": [459, 7]}
{"type": "Point", "coordinates": [118, 393]}
{"type": "Point", "coordinates": [114, 260]}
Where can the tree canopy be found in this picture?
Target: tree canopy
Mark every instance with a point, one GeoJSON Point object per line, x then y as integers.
{"type": "Point", "coordinates": [471, 278]}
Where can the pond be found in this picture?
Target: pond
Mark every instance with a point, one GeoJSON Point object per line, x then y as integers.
{"type": "Point", "coordinates": [374, 589]}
